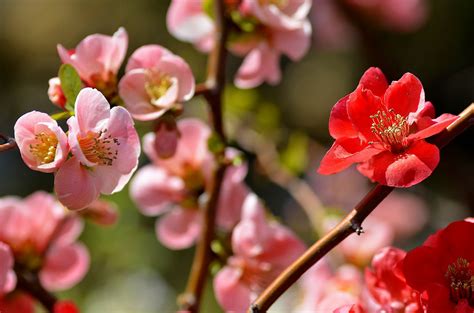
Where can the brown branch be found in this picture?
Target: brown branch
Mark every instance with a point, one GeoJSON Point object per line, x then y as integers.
{"type": "Point", "coordinates": [350, 224]}
{"type": "Point", "coordinates": [30, 283]}
{"type": "Point", "coordinates": [9, 143]}
{"type": "Point", "coordinates": [212, 91]}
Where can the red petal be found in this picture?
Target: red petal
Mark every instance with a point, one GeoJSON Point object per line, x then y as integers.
{"type": "Point", "coordinates": [343, 153]}
{"type": "Point", "coordinates": [405, 95]}
{"type": "Point", "coordinates": [422, 269]}
{"type": "Point", "coordinates": [374, 80]}
{"type": "Point", "coordinates": [408, 168]}
{"type": "Point", "coordinates": [437, 126]}
{"type": "Point", "coordinates": [339, 123]}
{"type": "Point", "coordinates": [361, 104]}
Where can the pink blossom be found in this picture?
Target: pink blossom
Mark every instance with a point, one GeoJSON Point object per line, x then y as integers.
{"type": "Point", "coordinates": [7, 275]}
{"type": "Point", "coordinates": [101, 212]}
{"type": "Point", "coordinates": [187, 21]}
{"type": "Point", "coordinates": [42, 237]}
{"type": "Point", "coordinates": [262, 249]}
{"type": "Point", "coordinates": [97, 59]}
{"type": "Point", "coordinates": [55, 93]}
{"type": "Point", "coordinates": [287, 15]}
{"type": "Point", "coordinates": [173, 186]}
{"type": "Point", "coordinates": [43, 144]}
{"type": "Point", "coordinates": [154, 82]}
{"type": "Point", "coordinates": [105, 148]}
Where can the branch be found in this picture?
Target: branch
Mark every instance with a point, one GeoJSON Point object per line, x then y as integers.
{"type": "Point", "coordinates": [9, 143]}
{"type": "Point", "coordinates": [30, 283]}
{"type": "Point", "coordinates": [212, 90]}
{"type": "Point", "coordinates": [350, 224]}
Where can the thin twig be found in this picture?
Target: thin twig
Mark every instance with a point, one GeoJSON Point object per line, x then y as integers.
{"type": "Point", "coordinates": [30, 283]}
{"type": "Point", "coordinates": [352, 223]}
{"type": "Point", "coordinates": [212, 91]}
{"type": "Point", "coordinates": [9, 143]}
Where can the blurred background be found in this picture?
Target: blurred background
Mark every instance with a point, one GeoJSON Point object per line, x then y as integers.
{"type": "Point", "coordinates": [131, 271]}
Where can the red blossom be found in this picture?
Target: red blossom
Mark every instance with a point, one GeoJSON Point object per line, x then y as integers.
{"type": "Point", "coordinates": [65, 306]}
{"type": "Point", "coordinates": [443, 269]}
{"type": "Point", "coordinates": [382, 127]}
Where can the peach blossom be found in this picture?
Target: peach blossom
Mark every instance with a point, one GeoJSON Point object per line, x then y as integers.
{"type": "Point", "coordinates": [173, 186]}
{"type": "Point", "coordinates": [42, 237]}
{"type": "Point", "coordinates": [154, 82]}
{"type": "Point", "coordinates": [43, 144]}
{"type": "Point", "coordinates": [262, 249]}
{"type": "Point", "coordinates": [97, 58]}
{"type": "Point", "coordinates": [105, 149]}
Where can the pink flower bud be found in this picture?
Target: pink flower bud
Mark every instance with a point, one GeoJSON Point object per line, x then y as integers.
{"type": "Point", "coordinates": [55, 92]}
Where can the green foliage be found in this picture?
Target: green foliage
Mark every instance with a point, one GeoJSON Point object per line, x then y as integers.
{"type": "Point", "coordinates": [295, 155]}
{"type": "Point", "coordinates": [71, 84]}
{"type": "Point", "coordinates": [215, 144]}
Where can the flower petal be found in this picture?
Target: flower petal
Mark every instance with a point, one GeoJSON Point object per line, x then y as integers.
{"type": "Point", "coordinates": [92, 110]}
{"type": "Point", "coordinates": [345, 152]}
{"type": "Point", "coordinates": [153, 189]}
{"type": "Point", "coordinates": [374, 80]}
{"type": "Point", "coordinates": [231, 293]}
{"type": "Point", "coordinates": [406, 169]}
{"type": "Point", "coordinates": [179, 229]}
{"type": "Point", "coordinates": [339, 123]}
{"type": "Point", "coordinates": [437, 125]}
{"type": "Point", "coordinates": [294, 43]}
{"type": "Point", "coordinates": [64, 266]}
{"type": "Point", "coordinates": [405, 95]}
{"type": "Point", "coordinates": [146, 57]}
{"type": "Point", "coordinates": [74, 185]}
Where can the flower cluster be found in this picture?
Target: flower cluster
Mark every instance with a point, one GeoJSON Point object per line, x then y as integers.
{"type": "Point", "coordinates": [39, 235]}
{"type": "Point", "coordinates": [99, 154]}
{"type": "Point", "coordinates": [261, 31]}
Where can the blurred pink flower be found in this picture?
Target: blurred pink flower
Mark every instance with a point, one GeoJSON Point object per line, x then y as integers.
{"type": "Point", "coordinates": [155, 81]}
{"type": "Point", "coordinates": [105, 148]}
{"type": "Point", "coordinates": [386, 284]}
{"type": "Point", "coordinates": [264, 30]}
{"type": "Point", "coordinates": [42, 237]}
{"type": "Point", "coordinates": [7, 275]}
{"type": "Point", "coordinates": [325, 291]}
{"type": "Point", "coordinates": [166, 136]}
{"type": "Point", "coordinates": [101, 212]}
{"type": "Point", "coordinates": [55, 93]}
{"type": "Point", "coordinates": [187, 21]}
{"type": "Point", "coordinates": [97, 59]}
{"type": "Point", "coordinates": [43, 144]}
{"type": "Point", "coordinates": [173, 186]}
{"type": "Point", "coordinates": [262, 249]}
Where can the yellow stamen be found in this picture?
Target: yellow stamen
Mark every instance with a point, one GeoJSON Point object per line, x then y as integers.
{"type": "Point", "coordinates": [99, 148]}
{"type": "Point", "coordinates": [45, 147]}
{"type": "Point", "coordinates": [390, 128]}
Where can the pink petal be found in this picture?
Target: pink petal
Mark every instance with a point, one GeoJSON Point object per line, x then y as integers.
{"type": "Point", "coordinates": [296, 43]}
{"type": "Point", "coordinates": [6, 269]}
{"type": "Point", "coordinates": [69, 229]}
{"type": "Point", "coordinates": [176, 67]}
{"type": "Point", "coordinates": [260, 65]}
{"type": "Point", "coordinates": [231, 293]}
{"type": "Point", "coordinates": [153, 190]}
{"type": "Point", "coordinates": [345, 152]}
{"type": "Point", "coordinates": [146, 57]}
{"type": "Point", "coordinates": [132, 91]}
{"type": "Point", "coordinates": [74, 185]}
{"type": "Point", "coordinates": [339, 123]}
{"type": "Point", "coordinates": [406, 169]}
{"type": "Point", "coordinates": [64, 266]}
{"type": "Point", "coordinates": [179, 228]}
{"type": "Point", "coordinates": [405, 95]}
{"type": "Point", "coordinates": [92, 110]}
{"type": "Point", "coordinates": [281, 19]}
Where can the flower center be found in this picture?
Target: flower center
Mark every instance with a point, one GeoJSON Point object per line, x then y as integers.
{"type": "Point", "coordinates": [390, 128]}
{"type": "Point", "coordinates": [157, 85]}
{"type": "Point", "coordinates": [45, 147]}
{"type": "Point", "coordinates": [460, 277]}
{"type": "Point", "coordinates": [99, 147]}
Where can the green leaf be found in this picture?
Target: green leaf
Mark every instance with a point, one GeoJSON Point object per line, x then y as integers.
{"type": "Point", "coordinates": [215, 144]}
{"type": "Point", "coordinates": [208, 7]}
{"type": "Point", "coordinates": [71, 84]}
{"type": "Point", "coordinates": [61, 115]}
{"type": "Point", "coordinates": [295, 155]}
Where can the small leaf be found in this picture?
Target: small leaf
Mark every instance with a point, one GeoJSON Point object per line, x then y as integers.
{"type": "Point", "coordinates": [61, 115]}
{"type": "Point", "coordinates": [215, 144]}
{"type": "Point", "coordinates": [71, 84]}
